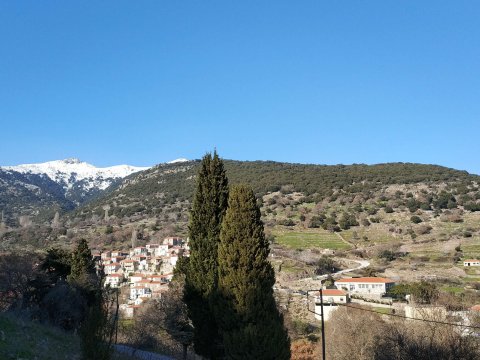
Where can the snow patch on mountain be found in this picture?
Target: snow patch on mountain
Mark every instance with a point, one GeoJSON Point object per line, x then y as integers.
{"type": "Point", "coordinates": [180, 160]}
{"type": "Point", "coordinates": [72, 172]}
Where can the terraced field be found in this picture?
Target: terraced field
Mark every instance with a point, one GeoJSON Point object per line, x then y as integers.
{"type": "Point", "coordinates": [310, 239]}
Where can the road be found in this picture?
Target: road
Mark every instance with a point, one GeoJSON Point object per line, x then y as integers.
{"type": "Point", "coordinates": [362, 264]}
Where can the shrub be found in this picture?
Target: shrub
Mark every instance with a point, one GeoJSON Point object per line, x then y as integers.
{"type": "Point", "coordinates": [387, 255]}
{"type": "Point", "coordinates": [286, 222]}
{"type": "Point", "coordinates": [416, 219]}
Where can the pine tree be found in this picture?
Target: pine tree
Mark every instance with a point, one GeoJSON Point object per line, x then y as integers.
{"type": "Point", "coordinates": [250, 323]}
{"type": "Point", "coordinates": [208, 208]}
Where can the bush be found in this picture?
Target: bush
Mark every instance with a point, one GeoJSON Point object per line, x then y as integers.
{"type": "Point", "coordinates": [416, 219]}
{"type": "Point", "coordinates": [387, 255]}
{"type": "Point", "coordinates": [388, 209]}
{"type": "Point", "coordinates": [287, 222]}
{"type": "Point", "coordinates": [347, 220]}
{"type": "Point", "coordinates": [317, 221]}
{"type": "Point", "coordinates": [325, 265]}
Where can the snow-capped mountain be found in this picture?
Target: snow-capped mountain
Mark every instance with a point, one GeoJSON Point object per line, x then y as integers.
{"type": "Point", "coordinates": [70, 172]}
{"type": "Point", "coordinates": [68, 182]}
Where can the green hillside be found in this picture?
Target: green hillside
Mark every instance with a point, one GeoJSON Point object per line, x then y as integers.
{"type": "Point", "coordinates": [173, 183]}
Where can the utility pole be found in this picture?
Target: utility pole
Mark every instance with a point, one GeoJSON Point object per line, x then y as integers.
{"type": "Point", "coordinates": [323, 324]}
{"type": "Point", "coordinates": [321, 316]}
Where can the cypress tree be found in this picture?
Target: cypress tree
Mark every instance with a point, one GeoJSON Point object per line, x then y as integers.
{"type": "Point", "coordinates": [83, 265]}
{"type": "Point", "coordinates": [208, 208]}
{"type": "Point", "coordinates": [250, 323]}
{"type": "Point", "coordinates": [83, 274]}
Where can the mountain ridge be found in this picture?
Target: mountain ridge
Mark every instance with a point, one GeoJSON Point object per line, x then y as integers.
{"type": "Point", "coordinates": [68, 171]}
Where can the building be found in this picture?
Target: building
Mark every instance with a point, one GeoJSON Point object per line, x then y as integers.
{"type": "Point", "coordinates": [129, 310]}
{"type": "Point", "coordinates": [471, 262]}
{"type": "Point", "coordinates": [173, 240]}
{"type": "Point", "coordinates": [129, 266]}
{"type": "Point", "coordinates": [135, 278]}
{"type": "Point", "coordinates": [161, 250]}
{"type": "Point", "coordinates": [140, 290]}
{"type": "Point", "coordinates": [114, 280]}
{"type": "Point", "coordinates": [112, 268]}
{"type": "Point", "coordinates": [365, 285]}
{"type": "Point", "coordinates": [332, 298]}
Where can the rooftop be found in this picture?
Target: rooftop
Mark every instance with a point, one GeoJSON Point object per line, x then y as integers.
{"type": "Point", "coordinates": [365, 280]}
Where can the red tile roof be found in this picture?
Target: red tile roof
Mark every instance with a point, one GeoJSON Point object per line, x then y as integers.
{"type": "Point", "coordinates": [333, 292]}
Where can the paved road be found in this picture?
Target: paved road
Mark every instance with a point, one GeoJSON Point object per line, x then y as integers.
{"type": "Point", "coordinates": [361, 265]}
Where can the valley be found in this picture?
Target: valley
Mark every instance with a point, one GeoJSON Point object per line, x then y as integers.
{"type": "Point", "coordinates": [410, 223]}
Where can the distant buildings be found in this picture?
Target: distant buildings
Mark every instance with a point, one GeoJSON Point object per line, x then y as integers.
{"type": "Point", "coordinates": [145, 270]}
{"type": "Point", "coordinates": [471, 262]}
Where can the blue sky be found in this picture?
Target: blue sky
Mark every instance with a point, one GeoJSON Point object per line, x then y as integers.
{"type": "Point", "coordinates": [142, 82]}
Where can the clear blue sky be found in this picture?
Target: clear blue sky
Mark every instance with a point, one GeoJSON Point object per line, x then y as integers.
{"type": "Point", "coordinates": [142, 82]}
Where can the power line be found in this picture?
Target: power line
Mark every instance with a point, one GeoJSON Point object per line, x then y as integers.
{"type": "Point", "coordinates": [412, 318]}
{"type": "Point", "coordinates": [398, 315]}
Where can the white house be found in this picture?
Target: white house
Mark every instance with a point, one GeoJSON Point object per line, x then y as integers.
{"type": "Point", "coordinates": [135, 278]}
{"type": "Point", "coordinates": [128, 265]}
{"type": "Point", "coordinates": [116, 253]}
{"type": "Point", "coordinates": [331, 300]}
{"type": "Point", "coordinates": [140, 250]}
{"type": "Point", "coordinates": [114, 280]}
{"type": "Point", "coordinates": [471, 262]}
{"type": "Point", "coordinates": [365, 285]}
{"type": "Point", "coordinates": [151, 247]}
{"type": "Point", "coordinates": [161, 250]}
{"type": "Point", "coordinates": [112, 268]}
{"type": "Point", "coordinates": [173, 240]}
{"type": "Point", "coordinates": [139, 290]}
{"type": "Point", "coordinates": [173, 260]}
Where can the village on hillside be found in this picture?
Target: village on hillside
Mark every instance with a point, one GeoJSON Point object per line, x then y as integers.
{"type": "Point", "coordinates": [144, 272]}
{"type": "Point", "coordinates": [141, 273]}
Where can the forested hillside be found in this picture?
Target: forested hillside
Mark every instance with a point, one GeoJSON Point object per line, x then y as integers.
{"type": "Point", "coordinates": [173, 183]}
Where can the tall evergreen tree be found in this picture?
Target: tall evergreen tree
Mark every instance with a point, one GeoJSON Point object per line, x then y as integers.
{"type": "Point", "coordinates": [82, 272]}
{"type": "Point", "coordinates": [208, 208]}
{"type": "Point", "coordinates": [250, 323]}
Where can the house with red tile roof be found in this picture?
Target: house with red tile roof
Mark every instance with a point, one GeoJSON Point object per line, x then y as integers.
{"type": "Point", "coordinates": [471, 262]}
{"type": "Point", "coordinates": [365, 285]}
